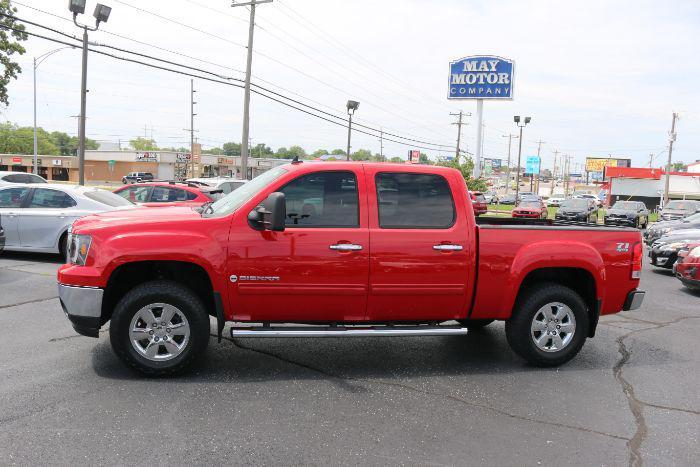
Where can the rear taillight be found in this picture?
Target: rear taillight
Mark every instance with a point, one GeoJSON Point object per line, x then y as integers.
{"type": "Point", "coordinates": [637, 261]}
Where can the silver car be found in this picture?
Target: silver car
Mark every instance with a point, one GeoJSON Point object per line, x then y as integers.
{"type": "Point", "coordinates": [36, 217]}
{"type": "Point", "coordinates": [13, 178]}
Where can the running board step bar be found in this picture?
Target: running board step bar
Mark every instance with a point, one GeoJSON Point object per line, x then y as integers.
{"type": "Point", "coordinates": [347, 331]}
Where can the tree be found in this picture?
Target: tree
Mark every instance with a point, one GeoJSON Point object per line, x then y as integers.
{"type": "Point", "coordinates": [296, 151]}
{"type": "Point", "coordinates": [678, 167]}
{"type": "Point", "coordinates": [423, 159]}
{"type": "Point", "coordinates": [361, 155]}
{"type": "Point", "coordinates": [467, 169]}
{"type": "Point", "coordinates": [232, 149]}
{"type": "Point", "coordinates": [143, 144]}
{"type": "Point", "coordinates": [20, 140]}
{"type": "Point", "coordinates": [319, 153]}
{"type": "Point", "coordinates": [398, 160]}
{"type": "Point", "coordinates": [9, 45]}
{"type": "Point", "coordinates": [261, 150]}
{"type": "Point", "coordinates": [338, 152]}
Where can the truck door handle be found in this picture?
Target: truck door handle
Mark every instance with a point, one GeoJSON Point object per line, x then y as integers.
{"type": "Point", "coordinates": [447, 247]}
{"type": "Point", "coordinates": [346, 247]}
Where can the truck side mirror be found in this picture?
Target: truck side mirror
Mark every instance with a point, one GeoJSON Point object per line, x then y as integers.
{"type": "Point", "coordinates": [270, 215]}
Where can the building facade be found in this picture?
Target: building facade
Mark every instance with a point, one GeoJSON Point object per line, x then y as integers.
{"type": "Point", "coordinates": [111, 166]}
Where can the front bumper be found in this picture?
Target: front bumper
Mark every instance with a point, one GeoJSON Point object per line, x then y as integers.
{"type": "Point", "coordinates": [621, 221]}
{"type": "Point", "coordinates": [83, 307]}
{"type": "Point", "coordinates": [662, 258]}
{"type": "Point", "coordinates": [634, 300]}
{"type": "Point", "coordinates": [2, 239]}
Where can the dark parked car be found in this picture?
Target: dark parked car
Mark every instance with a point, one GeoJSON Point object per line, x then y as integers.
{"type": "Point", "coordinates": [631, 213]}
{"type": "Point", "coordinates": [508, 199]}
{"type": "Point", "coordinates": [134, 177]}
{"type": "Point", "coordinates": [577, 209]}
{"type": "Point", "coordinates": [659, 229]}
{"type": "Point", "coordinates": [678, 209]}
{"type": "Point", "coordinates": [664, 251]}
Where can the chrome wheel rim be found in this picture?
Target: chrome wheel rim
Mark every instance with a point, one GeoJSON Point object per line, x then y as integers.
{"type": "Point", "coordinates": [159, 332]}
{"type": "Point", "coordinates": [553, 327]}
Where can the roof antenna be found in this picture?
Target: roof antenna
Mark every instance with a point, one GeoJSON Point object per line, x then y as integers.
{"type": "Point", "coordinates": [296, 160]}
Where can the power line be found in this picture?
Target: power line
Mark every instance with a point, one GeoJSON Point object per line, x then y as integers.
{"type": "Point", "coordinates": [226, 67]}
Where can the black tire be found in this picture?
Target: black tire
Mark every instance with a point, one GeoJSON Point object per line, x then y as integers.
{"type": "Point", "coordinates": [171, 293]}
{"type": "Point", "coordinates": [475, 323]}
{"type": "Point", "coordinates": [518, 331]}
{"type": "Point", "coordinates": [63, 246]}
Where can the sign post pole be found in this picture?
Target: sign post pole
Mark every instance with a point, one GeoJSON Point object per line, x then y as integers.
{"type": "Point", "coordinates": [479, 134]}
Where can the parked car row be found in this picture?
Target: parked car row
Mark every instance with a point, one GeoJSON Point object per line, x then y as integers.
{"type": "Point", "coordinates": [35, 216]}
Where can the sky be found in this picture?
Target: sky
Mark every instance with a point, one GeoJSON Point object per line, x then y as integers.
{"type": "Point", "coordinates": [598, 78]}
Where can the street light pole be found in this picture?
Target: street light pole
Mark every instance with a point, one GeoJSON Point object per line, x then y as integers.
{"type": "Point", "coordinates": [517, 121]}
{"type": "Point", "coordinates": [245, 150]}
{"type": "Point", "coordinates": [37, 61]}
{"type": "Point", "coordinates": [510, 139]}
{"type": "Point", "coordinates": [101, 14]}
{"type": "Point", "coordinates": [352, 106]}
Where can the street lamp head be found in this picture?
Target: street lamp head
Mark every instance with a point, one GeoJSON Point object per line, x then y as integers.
{"type": "Point", "coordinates": [352, 106]}
{"type": "Point", "coordinates": [101, 13]}
{"type": "Point", "coordinates": [527, 120]}
{"type": "Point", "coordinates": [77, 7]}
{"type": "Point", "coordinates": [516, 119]}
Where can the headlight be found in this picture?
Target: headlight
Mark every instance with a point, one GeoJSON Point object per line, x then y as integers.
{"type": "Point", "coordinates": [78, 248]}
{"type": "Point", "coordinates": [695, 252]}
{"type": "Point", "coordinates": [672, 246]}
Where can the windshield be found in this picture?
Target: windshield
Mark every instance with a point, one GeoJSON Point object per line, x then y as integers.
{"type": "Point", "coordinates": [530, 204]}
{"type": "Point", "coordinates": [479, 198]}
{"type": "Point", "coordinates": [108, 198]}
{"type": "Point", "coordinates": [682, 205]}
{"type": "Point", "coordinates": [627, 205]}
{"type": "Point", "coordinates": [576, 203]}
{"type": "Point", "coordinates": [240, 196]}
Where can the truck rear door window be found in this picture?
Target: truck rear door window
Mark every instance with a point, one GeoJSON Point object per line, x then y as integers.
{"type": "Point", "coordinates": [414, 201]}
{"type": "Point", "coordinates": [322, 199]}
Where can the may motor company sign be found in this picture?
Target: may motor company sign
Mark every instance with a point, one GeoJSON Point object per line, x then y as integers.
{"type": "Point", "coordinates": [481, 77]}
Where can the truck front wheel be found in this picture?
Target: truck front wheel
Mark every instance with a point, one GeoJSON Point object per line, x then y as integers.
{"type": "Point", "coordinates": [549, 325]}
{"type": "Point", "coordinates": [159, 328]}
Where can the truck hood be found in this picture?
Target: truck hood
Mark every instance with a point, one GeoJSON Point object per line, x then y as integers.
{"type": "Point", "coordinates": [140, 215]}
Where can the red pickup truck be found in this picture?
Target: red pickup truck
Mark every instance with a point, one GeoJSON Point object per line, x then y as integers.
{"type": "Point", "coordinates": [341, 249]}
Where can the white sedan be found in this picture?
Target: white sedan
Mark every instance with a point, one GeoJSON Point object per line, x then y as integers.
{"type": "Point", "coordinates": [36, 217]}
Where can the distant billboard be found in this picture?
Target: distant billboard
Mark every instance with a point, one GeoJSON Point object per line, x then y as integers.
{"type": "Point", "coordinates": [414, 156]}
{"type": "Point", "coordinates": [598, 164]}
{"type": "Point", "coordinates": [496, 163]}
{"type": "Point", "coordinates": [532, 165]}
{"type": "Point", "coordinates": [481, 77]}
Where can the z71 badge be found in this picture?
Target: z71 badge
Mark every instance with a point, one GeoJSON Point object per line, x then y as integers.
{"type": "Point", "coordinates": [623, 247]}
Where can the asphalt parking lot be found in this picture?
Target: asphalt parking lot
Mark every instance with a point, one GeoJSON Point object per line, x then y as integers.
{"type": "Point", "coordinates": [630, 397]}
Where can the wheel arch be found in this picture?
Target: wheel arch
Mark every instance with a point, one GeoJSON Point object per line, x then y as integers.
{"type": "Point", "coordinates": [578, 279]}
{"type": "Point", "coordinates": [128, 275]}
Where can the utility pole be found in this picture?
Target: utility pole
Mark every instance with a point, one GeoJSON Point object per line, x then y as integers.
{"type": "Point", "coordinates": [246, 92]}
{"type": "Point", "coordinates": [192, 114]}
{"type": "Point", "coordinates": [381, 144]}
{"type": "Point", "coordinates": [671, 139]}
{"type": "Point", "coordinates": [651, 159]}
{"type": "Point", "coordinates": [459, 124]}
{"type": "Point", "coordinates": [532, 176]}
{"type": "Point", "coordinates": [554, 173]}
{"type": "Point", "coordinates": [567, 172]}
{"type": "Point", "coordinates": [510, 139]}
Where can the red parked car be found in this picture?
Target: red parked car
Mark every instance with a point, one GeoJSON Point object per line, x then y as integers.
{"type": "Point", "coordinates": [162, 193]}
{"type": "Point", "coordinates": [687, 267]}
{"type": "Point", "coordinates": [347, 249]}
{"type": "Point", "coordinates": [478, 202]}
{"type": "Point", "coordinates": [530, 209]}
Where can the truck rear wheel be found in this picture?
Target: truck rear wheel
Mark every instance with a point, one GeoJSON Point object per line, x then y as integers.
{"type": "Point", "coordinates": [159, 328]}
{"type": "Point", "coordinates": [549, 325]}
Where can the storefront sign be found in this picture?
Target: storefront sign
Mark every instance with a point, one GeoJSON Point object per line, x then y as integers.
{"type": "Point", "coordinates": [598, 164]}
{"type": "Point", "coordinates": [147, 157]}
{"type": "Point", "coordinates": [481, 77]}
{"type": "Point", "coordinates": [16, 160]}
{"type": "Point", "coordinates": [183, 157]}
{"type": "Point", "coordinates": [414, 156]}
{"type": "Point", "coordinates": [57, 162]}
